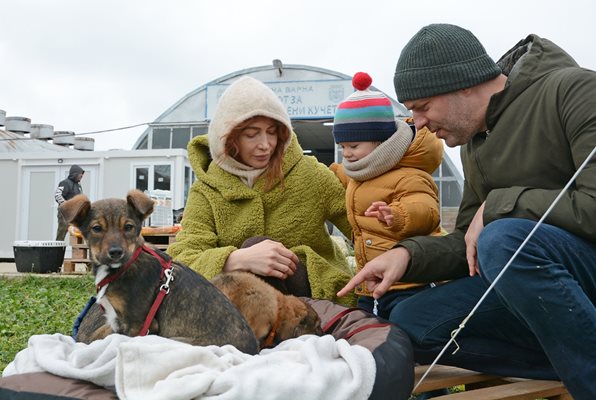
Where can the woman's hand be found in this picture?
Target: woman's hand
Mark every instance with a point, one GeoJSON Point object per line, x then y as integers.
{"type": "Point", "coordinates": [266, 258]}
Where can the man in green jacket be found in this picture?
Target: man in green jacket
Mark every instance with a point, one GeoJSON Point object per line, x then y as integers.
{"type": "Point", "coordinates": [525, 125]}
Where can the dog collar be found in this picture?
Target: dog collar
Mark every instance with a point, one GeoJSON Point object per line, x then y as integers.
{"type": "Point", "coordinates": [111, 278]}
{"type": "Point", "coordinates": [121, 271]}
{"type": "Point", "coordinates": [268, 342]}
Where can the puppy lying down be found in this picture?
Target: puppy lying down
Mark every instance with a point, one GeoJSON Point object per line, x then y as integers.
{"type": "Point", "coordinates": [273, 316]}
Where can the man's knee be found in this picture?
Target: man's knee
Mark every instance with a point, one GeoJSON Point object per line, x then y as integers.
{"type": "Point", "coordinates": [499, 240]}
{"type": "Point", "coordinates": [505, 230]}
{"type": "Point", "coordinates": [408, 320]}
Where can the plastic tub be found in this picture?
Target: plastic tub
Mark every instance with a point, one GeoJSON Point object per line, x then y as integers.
{"type": "Point", "coordinates": [39, 256]}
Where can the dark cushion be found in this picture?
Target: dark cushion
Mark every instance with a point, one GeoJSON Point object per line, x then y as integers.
{"type": "Point", "coordinates": [45, 386]}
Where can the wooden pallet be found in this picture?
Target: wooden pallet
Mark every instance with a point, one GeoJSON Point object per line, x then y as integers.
{"type": "Point", "coordinates": [487, 387]}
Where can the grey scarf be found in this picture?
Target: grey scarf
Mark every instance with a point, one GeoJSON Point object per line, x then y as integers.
{"type": "Point", "coordinates": [247, 174]}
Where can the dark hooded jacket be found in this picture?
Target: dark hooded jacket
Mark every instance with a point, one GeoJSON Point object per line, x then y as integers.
{"type": "Point", "coordinates": [541, 128]}
{"type": "Point", "coordinates": [69, 187]}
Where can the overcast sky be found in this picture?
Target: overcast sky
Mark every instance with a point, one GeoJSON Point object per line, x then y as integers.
{"type": "Point", "coordinates": [84, 65]}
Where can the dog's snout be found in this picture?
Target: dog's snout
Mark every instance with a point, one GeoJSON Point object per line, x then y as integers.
{"type": "Point", "coordinates": [115, 252]}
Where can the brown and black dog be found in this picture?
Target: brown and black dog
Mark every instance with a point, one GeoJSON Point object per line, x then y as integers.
{"type": "Point", "coordinates": [129, 277]}
{"type": "Point", "coordinates": [273, 316]}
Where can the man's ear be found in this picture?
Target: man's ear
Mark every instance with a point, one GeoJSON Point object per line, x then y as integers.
{"type": "Point", "coordinates": [142, 203]}
{"type": "Point", "coordinates": [75, 210]}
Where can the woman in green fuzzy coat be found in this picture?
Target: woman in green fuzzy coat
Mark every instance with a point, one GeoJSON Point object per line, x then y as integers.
{"type": "Point", "coordinates": [255, 185]}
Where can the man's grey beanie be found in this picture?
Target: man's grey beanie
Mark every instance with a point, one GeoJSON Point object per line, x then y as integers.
{"type": "Point", "coordinates": [441, 58]}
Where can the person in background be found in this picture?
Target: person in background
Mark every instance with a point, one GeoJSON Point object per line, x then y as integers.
{"type": "Point", "coordinates": [526, 124]}
{"type": "Point", "coordinates": [390, 193]}
{"type": "Point", "coordinates": [66, 190]}
{"type": "Point", "coordinates": [259, 204]}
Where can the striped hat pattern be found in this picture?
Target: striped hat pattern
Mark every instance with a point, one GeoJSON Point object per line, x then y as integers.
{"type": "Point", "coordinates": [365, 116]}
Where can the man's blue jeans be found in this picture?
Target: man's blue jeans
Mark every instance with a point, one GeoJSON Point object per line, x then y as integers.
{"type": "Point", "coordinates": [538, 322]}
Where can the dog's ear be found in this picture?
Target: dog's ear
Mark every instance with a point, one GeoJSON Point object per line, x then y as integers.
{"type": "Point", "coordinates": [75, 210]}
{"type": "Point", "coordinates": [140, 202]}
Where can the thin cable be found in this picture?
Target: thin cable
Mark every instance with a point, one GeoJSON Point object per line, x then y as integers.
{"type": "Point", "coordinates": [492, 285]}
{"type": "Point", "coordinates": [80, 134]}
{"type": "Point", "coordinates": [112, 130]}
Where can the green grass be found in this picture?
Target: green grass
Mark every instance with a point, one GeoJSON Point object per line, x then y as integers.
{"type": "Point", "coordinates": [37, 305]}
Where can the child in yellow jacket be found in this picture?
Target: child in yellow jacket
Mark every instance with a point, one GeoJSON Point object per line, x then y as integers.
{"type": "Point", "coordinates": [390, 193]}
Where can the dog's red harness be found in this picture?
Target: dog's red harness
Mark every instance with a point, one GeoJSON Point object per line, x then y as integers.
{"type": "Point", "coordinates": [268, 342]}
{"type": "Point", "coordinates": [164, 289]}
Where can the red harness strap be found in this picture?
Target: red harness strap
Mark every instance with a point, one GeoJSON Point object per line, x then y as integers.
{"type": "Point", "coordinates": [167, 270]}
{"type": "Point", "coordinates": [164, 289]}
{"type": "Point", "coordinates": [268, 342]}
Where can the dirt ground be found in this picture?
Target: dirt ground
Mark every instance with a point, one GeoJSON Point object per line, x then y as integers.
{"type": "Point", "coordinates": [7, 267]}
{"type": "Point", "coordinates": [10, 269]}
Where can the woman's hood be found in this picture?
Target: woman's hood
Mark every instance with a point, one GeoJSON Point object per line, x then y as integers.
{"type": "Point", "coordinates": [243, 99]}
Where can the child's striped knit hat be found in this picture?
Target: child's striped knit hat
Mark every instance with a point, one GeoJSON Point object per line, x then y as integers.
{"type": "Point", "coordinates": [365, 116]}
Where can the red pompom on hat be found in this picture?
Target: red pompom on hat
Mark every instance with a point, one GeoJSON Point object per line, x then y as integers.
{"type": "Point", "coordinates": [361, 81]}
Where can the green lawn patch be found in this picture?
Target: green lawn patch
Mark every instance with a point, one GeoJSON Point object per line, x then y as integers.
{"type": "Point", "coordinates": [33, 305]}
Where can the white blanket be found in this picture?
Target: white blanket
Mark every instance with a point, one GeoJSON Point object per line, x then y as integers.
{"type": "Point", "coordinates": [152, 367]}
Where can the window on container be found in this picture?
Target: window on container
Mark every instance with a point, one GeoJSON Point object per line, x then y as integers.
{"type": "Point", "coordinates": [161, 138]}
{"type": "Point", "coordinates": [199, 130]}
{"type": "Point", "coordinates": [161, 177]}
{"type": "Point", "coordinates": [142, 178]}
{"type": "Point", "coordinates": [180, 138]}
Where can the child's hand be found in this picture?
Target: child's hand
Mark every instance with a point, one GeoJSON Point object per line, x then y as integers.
{"type": "Point", "coordinates": [381, 211]}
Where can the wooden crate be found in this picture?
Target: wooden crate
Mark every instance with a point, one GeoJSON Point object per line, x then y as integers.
{"type": "Point", "coordinates": [80, 254]}
{"type": "Point", "coordinates": [487, 387]}
{"type": "Point", "coordinates": [160, 241]}
{"type": "Point", "coordinates": [157, 238]}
